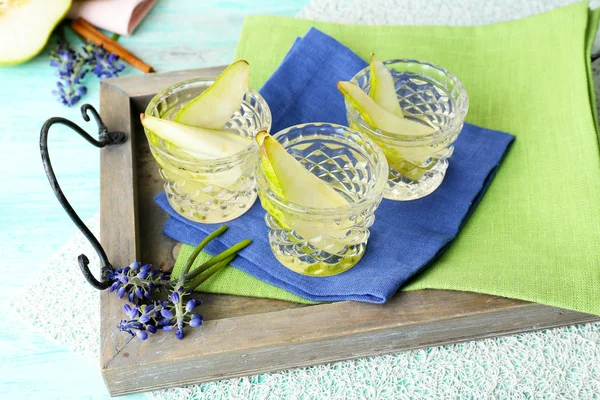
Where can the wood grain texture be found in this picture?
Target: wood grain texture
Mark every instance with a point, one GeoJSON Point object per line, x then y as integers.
{"type": "Point", "coordinates": [243, 336]}
{"type": "Point", "coordinates": [247, 345]}
{"type": "Point", "coordinates": [118, 210]}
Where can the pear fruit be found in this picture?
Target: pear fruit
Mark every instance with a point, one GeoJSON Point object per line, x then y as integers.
{"type": "Point", "coordinates": [289, 178]}
{"type": "Point", "coordinates": [383, 90]}
{"type": "Point", "coordinates": [213, 107]}
{"type": "Point", "coordinates": [375, 115]}
{"type": "Point", "coordinates": [200, 142]}
{"type": "Point", "coordinates": [266, 164]}
{"type": "Point", "coordinates": [299, 185]}
{"type": "Point", "coordinates": [25, 26]}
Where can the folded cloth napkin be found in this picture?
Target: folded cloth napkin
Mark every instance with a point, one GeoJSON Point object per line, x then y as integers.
{"type": "Point", "coordinates": [119, 16]}
{"type": "Point", "coordinates": [406, 236]}
{"type": "Point", "coordinates": [535, 234]}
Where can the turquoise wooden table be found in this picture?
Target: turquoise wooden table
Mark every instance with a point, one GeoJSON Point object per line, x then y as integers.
{"type": "Point", "coordinates": [176, 35]}
{"type": "Point", "coordinates": [186, 34]}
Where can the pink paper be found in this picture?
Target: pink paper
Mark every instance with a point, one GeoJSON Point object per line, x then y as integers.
{"type": "Point", "coordinates": [118, 16]}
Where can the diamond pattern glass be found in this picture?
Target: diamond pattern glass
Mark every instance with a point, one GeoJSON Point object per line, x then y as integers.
{"type": "Point", "coordinates": [426, 93]}
{"type": "Point", "coordinates": [324, 242]}
{"type": "Point", "coordinates": [209, 191]}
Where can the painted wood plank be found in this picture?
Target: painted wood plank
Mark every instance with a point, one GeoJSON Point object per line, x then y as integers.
{"type": "Point", "coordinates": [234, 354]}
{"type": "Point", "coordinates": [118, 211]}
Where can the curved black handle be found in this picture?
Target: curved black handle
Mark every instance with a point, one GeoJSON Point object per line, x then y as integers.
{"type": "Point", "coordinates": [104, 138]}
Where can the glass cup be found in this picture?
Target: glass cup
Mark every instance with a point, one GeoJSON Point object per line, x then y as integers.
{"type": "Point", "coordinates": [427, 94]}
{"type": "Point", "coordinates": [208, 191]}
{"type": "Point", "coordinates": [324, 242]}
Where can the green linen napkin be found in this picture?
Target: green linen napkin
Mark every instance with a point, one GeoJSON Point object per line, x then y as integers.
{"type": "Point", "coordinates": [536, 234]}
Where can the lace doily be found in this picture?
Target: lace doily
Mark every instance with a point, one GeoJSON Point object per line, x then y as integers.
{"type": "Point", "coordinates": [562, 362]}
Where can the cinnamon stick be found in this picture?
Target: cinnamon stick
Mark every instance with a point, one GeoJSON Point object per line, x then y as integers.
{"type": "Point", "coordinates": [89, 32]}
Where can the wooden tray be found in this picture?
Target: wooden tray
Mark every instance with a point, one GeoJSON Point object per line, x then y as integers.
{"type": "Point", "coordinates": [241, 335]}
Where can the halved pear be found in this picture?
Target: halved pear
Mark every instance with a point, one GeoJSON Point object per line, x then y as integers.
{"type": "Point", "coordinates": [383, 90]}
{"type": "Point", "coordinates": [200, 142]}
{"type": "Point", "coordinates": [213, 107]}
{"type": "Point", "coordinates": [375, 115]}
{"type": "Point", "coordinates": [25, 26]}
{"type": "Point", "coordinates": [288, 177]}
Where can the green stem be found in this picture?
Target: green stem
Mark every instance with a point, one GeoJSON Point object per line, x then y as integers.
{"type": "Point", "coordinates": [210, 272]}
{"type": "Point", "coordinates": [197, 251]}
{"type": "Point", "coordinates": [115, 36]}
{"type": "Point", "coordinates": [218, 258]}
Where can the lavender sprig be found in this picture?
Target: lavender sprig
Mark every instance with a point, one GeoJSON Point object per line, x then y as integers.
{"type": "Point", "coordinates": [103, 63]}
{"type": "Point", "coordinates": [142, 285]}
{"type": "Point", "coordinates": [138, 282]}
{"type": "Point", "coordinates": [71, 70]}
{"type": "Point", "coordinates": [73, 64]}
{"type": "Point", "coordinates": [178, 315]}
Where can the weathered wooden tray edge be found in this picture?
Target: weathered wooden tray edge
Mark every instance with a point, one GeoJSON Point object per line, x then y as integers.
{"type": "Point", "coordinates": [240, 346]}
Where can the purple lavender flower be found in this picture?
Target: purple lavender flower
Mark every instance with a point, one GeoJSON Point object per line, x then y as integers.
{"type": "Point", "coordinates": [142, 335]}
{"type": "Point", "coordinates": [128, 281]}
{"type": "Point", "coordinates": [135, 265]}
{"type": "Point", "coordinates": [114, 286]}
{"type": "Point", "coordinates": [130, 326]}
{"type": "Point", "coordinates": [72, 67]}
{"type": "Point", "coordinates": [131, 312]}
{"type": "Point", "coordinates": [195, 320]}
{"type": "Point", "coordinates": [178, 314]}
{"type": "Point", "coordinates": [146, 315]}
{"type": "Point", "coordinates": [191, 305]}
{"type": "Point", "coordinates": [174, 297]}
{"type": "Point", "coordinates": [104, 64]}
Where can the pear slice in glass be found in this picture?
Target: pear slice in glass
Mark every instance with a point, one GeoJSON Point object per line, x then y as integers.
{"type": "Point", "coordinates": [375, 115]}
{"type": "Point", "coordinates": [202, 144]}
{"type": "Point", "coordinates": [213, 107]}
{"type": "Point", "coordinates": [199, 142]}
{"type": "Point", "coordinates": [383, 90]}
{"type": "Point", "coordinates": [288, 176]}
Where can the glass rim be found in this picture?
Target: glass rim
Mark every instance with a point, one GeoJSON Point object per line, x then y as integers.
{"type": "Point", "coordinates": [460, 110]}
{"type": "Point", "coordinates": [151, 108]}
{"type": "Point", "coordinates": [332, 212]}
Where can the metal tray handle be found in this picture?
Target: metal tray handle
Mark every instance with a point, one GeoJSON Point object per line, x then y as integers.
{"type": "Point", "coordinates": [105, 138]}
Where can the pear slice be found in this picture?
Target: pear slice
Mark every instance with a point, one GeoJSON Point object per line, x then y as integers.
{"type": "Point", "coordinates": [200, 142]}
{"type": "Point", "coordinates": [288, 177]}
{"type": "Point", "coordinates": [299, 185]}
{"type": "Point", "coordinates": [213, 107]}
{"type": "Point", "coordinates": [375, 115]}
{"type": "Point", "coordinates": [26, 25]}
{"type": "Point", "coordinates": [383, 90]}
{"type": "Point", "coordinates": [266, 164]}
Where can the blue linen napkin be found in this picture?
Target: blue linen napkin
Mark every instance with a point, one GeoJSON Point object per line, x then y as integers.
{"type": "Point", "coordinates": [406, 236]}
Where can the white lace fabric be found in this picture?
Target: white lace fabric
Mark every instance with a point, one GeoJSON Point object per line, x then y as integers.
{"type": "Point", "coordinates": [555, 363]}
